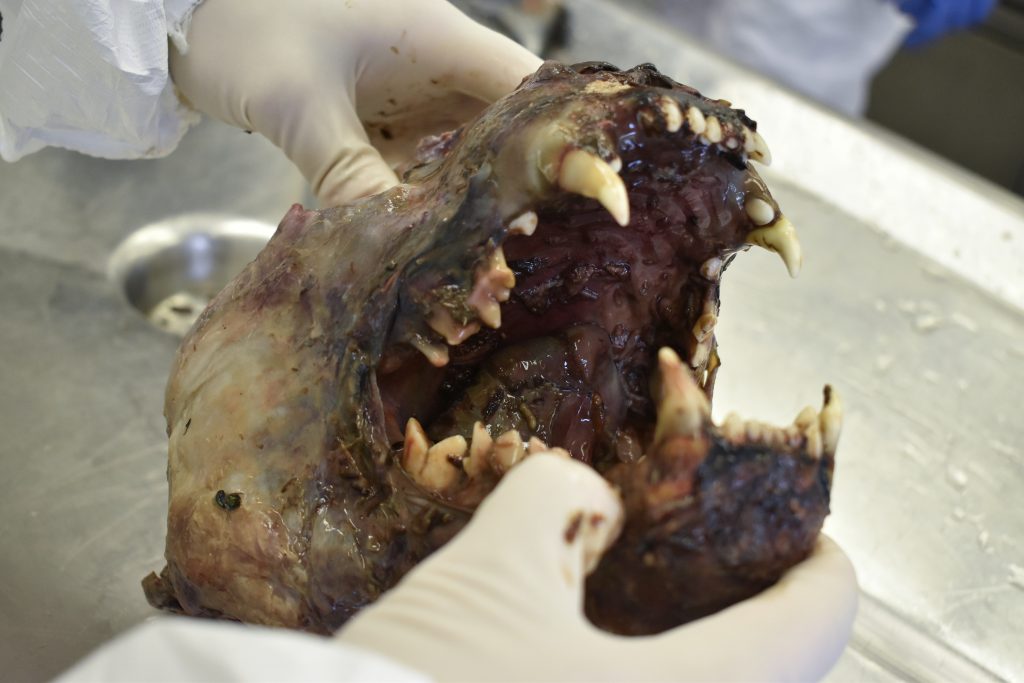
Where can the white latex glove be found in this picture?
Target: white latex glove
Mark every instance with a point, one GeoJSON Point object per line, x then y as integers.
{"type": "Point", "coordinates": [345, 87]}
{"type": "Point", "coordinates": [503, 601]}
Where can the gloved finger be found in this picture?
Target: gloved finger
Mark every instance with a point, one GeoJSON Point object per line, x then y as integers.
{"type": "Point", "coordinates": [476, 60]}
{"type": "Point", "coordinates": [323, 136]}
{"type": "Point", "coordinates": [794, 630]}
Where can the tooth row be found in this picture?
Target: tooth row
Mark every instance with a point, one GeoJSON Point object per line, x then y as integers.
{"type": "Point", "coordinates": [817, 433]}
{"type": "Point", "coordinates": [436, 467]}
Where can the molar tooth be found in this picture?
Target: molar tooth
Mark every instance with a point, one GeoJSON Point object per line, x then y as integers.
{"type": "Point", "coordinates": [508, 450]}
{"type": "Point", "coordinates": [831, 420]}
{"type": "Point", "coordinates": [758, 210]}
{"type": "Point", "coordinates": [806, 418]}
{"type": "Point", "coordinates": [781, 238]}
{"type": "Point", "coordinates": [442, 322]}
{"type": "Point", "coordinates": [494, 284]}
{"type": "Point", "coordinates": [479, 449]}
{"type": "Point", "coordinates": [733, 428]}
{"type": "Point", "coordinates": [437, 354]}
{"type": "Point", "coordinates": [704, 326]}
{"type": "Point", "coordinates": [535, 445]}
{"type": "Point", "coordinates": [712, 268]}
{"type": "Point", "coordinates": [713, 132]}
{"type": "Point", "coordinates": [761, 152]}
{"type": "Point", "coordinates": [695, 117]}
{"type": "Point", "coordinates": [682, 406]}
{"type": "Point", "coordinates": [524, 224]}
{"type": "Point", "coordinates": [440, 469]}
{"type": "Point", "coordinates": [591, 176]}
{"type": "Point", "coordinates": [672, 113]}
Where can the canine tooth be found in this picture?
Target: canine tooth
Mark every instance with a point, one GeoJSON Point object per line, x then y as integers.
{"type": "Point", "coordinates": [415, 448]}
{"type": "Point", "coordinates": [508, 450]}
{"type": "Point", "coordinates": [761, 152]}
{"type": "Point", "coordinates": [524, 224]}
{"type": "Point", "coordinates": [682, 406]}
{"type": "Point", "coordinates": [704, 326]}
{"type": "Point", "coordinates": [615, 163]}
{"type": "Point", "coordinates": [712, 268]}
{"type": "Point", "coordinates": [781, 238]}
{"type": "Point", "coordinates": [749, 144]}
{"type": "Point", "coordinates": [591, 176]}
{"type": "Point", "coordinates": [672, 113]}
{"type": "Point", "coordinates": [713, 132]}
{"type": "Point", "coordinates": [442, 322]}
{"type": "Point", "coordinates": [695, 117]}
{"type": "Point", "coordinates": [733, 428]}
{"type": "Point", "coordinates": [759, 211]}
{"type": "Point", "coordinates": [436, 354]}
{"type": "Point", "coordinates": [831, 420]}
{"type": "Point", "coordinates": [479, 448]}
{"type": "Point", "coordinates": [701, 353]}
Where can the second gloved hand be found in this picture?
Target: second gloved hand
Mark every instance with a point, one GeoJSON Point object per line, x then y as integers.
{"type": "Point", "coordinates": [503, 600]}
{"type": "Point", "coordinates": [345, 87]}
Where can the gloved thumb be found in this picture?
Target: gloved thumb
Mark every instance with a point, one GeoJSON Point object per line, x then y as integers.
{"type": "Point", "coordinates": [515, 574]}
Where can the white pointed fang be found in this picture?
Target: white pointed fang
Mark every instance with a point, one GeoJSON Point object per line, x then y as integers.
{"type": "Point", "coordinates": [436, 354]}
{"type": "Point", "coordinates": [781, 238]}
{"type": "Point", "coordinates": [479, 450]}
{"type": "Point", "coordinates": [508, 450]}
{"type": "Point", "coordinates": [682, 406]}
{"type": "Point", "coordinates": [523, 224]}
{"type": "Point", "coordinates": [713, 132]}
{"type": "Point", "coordinates": [831, 420]}
{"type": "Point", "coordinates": [759, 211]}
{"type": "Point", "coordinates": [591, 176]}
{"type": "Point", "coordinates": [761, 152]}
{"type": "Point", "coordinates": [414, 451]}
{"type": "Point", "coordinates": [695, 117]}
{"type": "Point", "coordinates": [672, 113]}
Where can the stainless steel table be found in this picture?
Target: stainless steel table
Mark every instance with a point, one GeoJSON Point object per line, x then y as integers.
{"type": "Point", "coordinates": [910, 303]}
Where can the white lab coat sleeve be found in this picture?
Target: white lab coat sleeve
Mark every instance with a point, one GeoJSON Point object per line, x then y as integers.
{"type": "Point", "coordinates": [91, 76]}
{"type": "Point", "coordinates": [183, 649]}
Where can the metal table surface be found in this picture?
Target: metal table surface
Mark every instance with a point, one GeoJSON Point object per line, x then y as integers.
{"type": "Point", "coordinates": [929, 365]}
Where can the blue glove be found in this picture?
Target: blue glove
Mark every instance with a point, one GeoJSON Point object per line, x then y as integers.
{"type": "Point", "coordinates": [937, 17]}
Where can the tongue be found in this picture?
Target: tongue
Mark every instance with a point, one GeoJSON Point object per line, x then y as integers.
{"type": "Point", "coordinates": [564, 389]}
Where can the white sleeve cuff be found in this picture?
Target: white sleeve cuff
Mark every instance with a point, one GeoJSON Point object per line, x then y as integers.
{"type": "Point", "coordinates": [92, 76]}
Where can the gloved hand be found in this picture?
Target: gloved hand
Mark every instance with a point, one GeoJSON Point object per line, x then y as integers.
{"type": "Point", "coordinates": [503, 601]}
{"type": "Point", "coordinates": [936, 17]}
{"type": "Point", "coordinates": [345, 87]}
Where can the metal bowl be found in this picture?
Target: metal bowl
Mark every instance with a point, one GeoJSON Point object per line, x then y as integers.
{"type": "Point", "coordinates": [170, 270]}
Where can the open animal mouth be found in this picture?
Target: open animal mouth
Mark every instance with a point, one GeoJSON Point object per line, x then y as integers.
{"type": "Point", "coordinates": [587, 318]}
{"type": "Point", "coordinates": [546, 277]}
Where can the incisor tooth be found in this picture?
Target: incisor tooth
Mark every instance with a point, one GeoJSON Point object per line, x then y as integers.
{"type": "Point", "coordinates": [758, 210]}
{"type": "Point", "coordinates": [806, 417]}
{"type": "Point", "coordinates": [831, 419]}
{"type": "Point", "coordinates": [781, 238]}
{"type": "Point", "coordinates": [673, 115]}
{"type": "Point", "coordinates": [508, 450]}
{"type": "Point", "coordinates": [712, 268]}
{"type": "Point", "coordinates": [682, 406]}
{"type": "Point", "coordinates": [733, 428]}
{"type": "Point", "coordinates": [713, 132]}
{"type": "Point", "coordinates": [523, 224]}
{"type": "Point", "coordinates": [591, 176]}
{"type": "Point", "coordinates": [695, 117]}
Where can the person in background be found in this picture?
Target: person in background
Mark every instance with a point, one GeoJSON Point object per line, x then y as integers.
{"type": "Point", "coordinates": [828, 50]}
{"type": "Point", "coordinates": [321, 79]}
